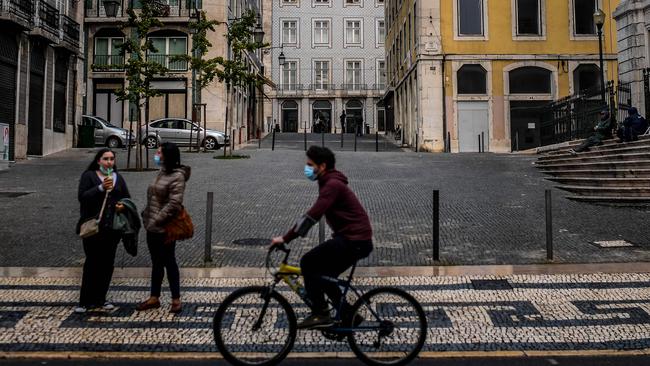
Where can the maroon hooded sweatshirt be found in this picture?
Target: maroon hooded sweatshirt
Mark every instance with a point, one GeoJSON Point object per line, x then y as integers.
{"type": "Point", "coordinates": [343, 211]}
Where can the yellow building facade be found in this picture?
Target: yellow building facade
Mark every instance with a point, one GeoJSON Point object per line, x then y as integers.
{"type": "Point", "coordinates": [496, 62]}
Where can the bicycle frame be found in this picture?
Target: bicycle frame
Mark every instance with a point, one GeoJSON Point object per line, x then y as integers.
{"type": "Point", "coordinates": [285, 273]}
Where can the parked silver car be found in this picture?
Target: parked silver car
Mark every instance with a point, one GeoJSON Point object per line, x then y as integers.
{"type": "Point", "coordinates": [178, 130]}
{"type": "Point", "coordinates": [106, 133]}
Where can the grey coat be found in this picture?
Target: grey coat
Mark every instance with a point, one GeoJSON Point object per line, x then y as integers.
{"type": "Point", "coordinates": [165, 198]}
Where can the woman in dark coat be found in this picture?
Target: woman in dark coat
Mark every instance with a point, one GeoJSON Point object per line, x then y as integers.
{"type": "Point", "coordinates": [164, 202]}
{"type": "Point", "coordinates": [100, 180]}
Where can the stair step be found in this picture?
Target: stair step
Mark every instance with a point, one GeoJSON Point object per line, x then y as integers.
{"type": "Point", "coordinates": [633, 164]}
{"type": "Point", "coordinates": [605, 173]}
{"type": "Point", "coordinates": [602, 182]}
{"type": "Point", "coordinates": [620, 150]}
{"type": "Point", "coordinates": [598, 158]}
{"type": "Point", "coordinates": [607, 144]}
{"type": "Point", "coordinates": [608, 191]}
{"type": "Point", "coordinates": [613, 201]}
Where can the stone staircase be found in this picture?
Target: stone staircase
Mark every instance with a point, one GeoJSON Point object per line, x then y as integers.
{"type": "Point", "coordinates": [612, 173]}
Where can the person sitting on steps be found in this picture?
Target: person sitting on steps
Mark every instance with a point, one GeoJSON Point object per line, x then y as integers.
{"type": "Point", "coordinates": [602, 131]}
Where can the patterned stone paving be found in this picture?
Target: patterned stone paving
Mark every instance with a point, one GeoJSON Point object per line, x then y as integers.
{"type": "Point", "coordinates": [535, 312]}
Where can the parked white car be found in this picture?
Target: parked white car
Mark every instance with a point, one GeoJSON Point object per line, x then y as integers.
{"type": "Point", "coordinates": [178, 131]}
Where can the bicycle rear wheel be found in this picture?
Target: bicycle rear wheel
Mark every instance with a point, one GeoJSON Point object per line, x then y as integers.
{"type": "Point", "coordinates": [245, 337]}
{"type": "Point", "coordinates": [393, 330]}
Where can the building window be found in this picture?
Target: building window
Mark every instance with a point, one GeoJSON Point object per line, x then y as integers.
{"type": "Point", "coordinates": [530, 80]}
{"type": "Point", "coordinates": [381, 75]}
{"type": "Point", "coordinates": [289, 32]}
{"type": "Point", "coordinates": [353, 75]}
{"type": "Point", "coordinates": [321, 75]}
{"type": "Point", "coordinates": [583, 16]}
{"type": "Point", "coordinates": [528, 17]}
{"type": "Point", "coordinates": [352, 2]}
{"type": "Point", "coordinates": [290, 75]}
{"type": "Point", "coordinates": [470, 17]}
{"type": "Point", "coordinates": [586, 77]}
{"type": "Point", "coordinates": [381, 31]}
{"type": "Point", "coordinates": [108, 52]}
{"type": "Point", "coordinates": [353, 32]}
{"type": "Point", "coordinates": [165, 49]}
{"type": "Point", "coordinates": [289, 2]}
{"type": "Point", "coordinates": [321, 32]}
{"type": "Point", "coordinates": [472, 79]}
{"type": "Point", "coordinates": [321, 2]}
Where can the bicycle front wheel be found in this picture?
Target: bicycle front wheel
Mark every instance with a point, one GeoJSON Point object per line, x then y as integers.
{"type": "Point", "coordinates": [254, 327]}
{"type": "Point", "coordinates": [393, 327]}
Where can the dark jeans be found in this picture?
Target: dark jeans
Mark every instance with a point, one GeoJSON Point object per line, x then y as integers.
{"type": "Point", "coordinates": [330, 258]}
{"type": "Point", "coordinates": [163, 256]}
{"type": "Point", "coordinates": [593, 140]}
{"type": "Point", "coordinates": [98, 268]}
{"type": "Point", "coordinates": [627, 134]}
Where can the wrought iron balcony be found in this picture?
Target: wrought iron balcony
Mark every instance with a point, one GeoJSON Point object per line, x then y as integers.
{"type": "Point", "coordinates": [321, 87]}
{"type": "Point", "coordinates": [354, 87]}
{"type": "Point", "coordinates": [48, 17]}
{"type": "Point", "coordinates": [108, 63]}
{"type": "Point", "coordinates": [21, 9]}
{"type": "Point", "coordinates": [161, 8]}
{"type": "Point", "coordinates": [70, 30]}
{"type": "Point", "coordinates": [169, 62]}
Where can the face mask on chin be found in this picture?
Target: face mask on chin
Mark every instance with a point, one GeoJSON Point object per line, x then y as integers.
{"type": "Point", "coordinates": [105, 171]}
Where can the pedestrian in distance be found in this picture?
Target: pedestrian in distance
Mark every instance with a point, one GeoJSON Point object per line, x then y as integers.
{"type": "Point", "coordinates": [164, 203]}
{"type": "Point", "coordinates": [342, 117]}
{"type": "Point", "coordinates": [101, 188]}
{"type": "Point", "coordinates": [351, 239]}
{"type": "Point", "coordinates": [359, 126]}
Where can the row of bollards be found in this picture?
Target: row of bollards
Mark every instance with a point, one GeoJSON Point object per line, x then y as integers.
{"type": "Point", "coordinates": [436, 225]}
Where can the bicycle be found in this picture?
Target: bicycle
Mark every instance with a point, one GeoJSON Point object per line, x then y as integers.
{"type": "Point", "coordinates": [256, 325]}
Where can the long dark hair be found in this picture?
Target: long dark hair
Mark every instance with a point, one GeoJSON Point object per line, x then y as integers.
{"type": "Point", "coordinates": [94, 166]}
{"type": "Point", "coordinates": [171, 156]}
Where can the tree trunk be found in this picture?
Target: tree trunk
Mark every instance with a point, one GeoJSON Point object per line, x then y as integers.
{"type": "Point", "coordinates": [225, 146]}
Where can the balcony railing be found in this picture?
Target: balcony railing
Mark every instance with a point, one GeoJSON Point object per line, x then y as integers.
{"type": "Point", "coordinates": [169, 62]}
{"type": "Point", "coordinates": [48, 17]}
{"type": "Point", "coordinates": [108, 63]}
{"type": "Point", "coordinates": [22, 9]}
{"type": "Point", "coordinates": [354, 87]}
{"type": "Point", "coordinates": [70, 29]}
{"type": "Point", "coordinates": [321, 87]}
{"type": "Point", "coordinates": [169, 8]}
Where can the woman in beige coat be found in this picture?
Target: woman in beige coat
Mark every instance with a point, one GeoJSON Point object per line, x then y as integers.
{"type": "Point", "coordinates": [164, 201]}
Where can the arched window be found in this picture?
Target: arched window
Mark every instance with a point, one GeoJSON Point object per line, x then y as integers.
{"type": "Point", "coordinates": [353, 104]}
{"type": "Point", "coordinates": [471, 79]}
{"type": "Point", "coordinates": [586, 77]}
{"type": "Point", "coordinates": [530, 80]}
{"type": "Point", "coordinates": [290, 104]}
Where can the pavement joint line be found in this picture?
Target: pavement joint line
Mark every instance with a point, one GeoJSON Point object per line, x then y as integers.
{"type": "Point", "coordinates": [415, 271]}
{"type": "Point", "coordinates": [315, 355]}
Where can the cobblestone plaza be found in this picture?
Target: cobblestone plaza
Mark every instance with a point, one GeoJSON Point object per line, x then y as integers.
{"type": "Point", "coordinates": [492, 208]}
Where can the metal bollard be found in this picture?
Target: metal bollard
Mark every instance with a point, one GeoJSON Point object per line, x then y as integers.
{"type": "Point", "coordinates": [232, 141]}
{"type": "Point", "coordinates": [207, 252]}
{"type": "Point", "coordinates": [479, 143]}
{"type": "Point", "coordinates": [355, 141]}
{"type": "Point", "coordinates": [417, 142]}
{"type": "Point", "coordinates": [259, 139]}
{"type": "Point", "coordinates": [321, 231]}
{"type": "Point", "coordinates": [273, 141]}
{"type": "Point", "coordinates": [448, 142]}
{"type": "Point", "coordinates": [322, 138]}
{"type": "Point", "coordinates": [436, 225]}
{"type": "Point", "coordinates": [305, 138]}
{"type": "Point", "coordinates": [483, 141]}
{"type": "Point", "coordinates": [342, 134]}
{"type": "Point", "coordinates": [377, 141]}
{"type": "Point", "coordinates": [549, 225]}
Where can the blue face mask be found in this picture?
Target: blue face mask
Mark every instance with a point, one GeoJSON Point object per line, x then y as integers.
{"type": "Point", "coordinates": [156, 160]}
{"type": "Point", "coordinates": [310, 174]}
{"type": "Point", "coordinates": [105, 171]}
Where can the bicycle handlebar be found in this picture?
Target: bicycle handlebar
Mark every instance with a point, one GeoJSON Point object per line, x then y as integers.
{"type": "Point", "coordinates": [280, 247]}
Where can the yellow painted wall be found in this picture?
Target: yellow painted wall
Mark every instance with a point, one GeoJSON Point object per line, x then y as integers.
{"type": "Point", "coordinates": [500, 41]}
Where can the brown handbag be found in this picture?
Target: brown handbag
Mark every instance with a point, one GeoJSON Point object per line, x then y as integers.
{"type": "Point", "coordinates": [180, 227]}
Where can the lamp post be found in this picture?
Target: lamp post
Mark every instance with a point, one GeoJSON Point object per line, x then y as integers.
{"type": "Point", "coordinates": [599, 20]}
{"type": "Point", "coordinates": [111, 7]}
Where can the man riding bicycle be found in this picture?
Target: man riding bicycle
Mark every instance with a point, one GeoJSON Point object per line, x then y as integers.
{"type": "Point", "coordinates": [351, 239]}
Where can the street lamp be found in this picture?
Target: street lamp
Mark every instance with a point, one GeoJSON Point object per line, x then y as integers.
{"type": "Point", "coordinates": [281, 58]}
{"type": "Point", "coordinates": [111, 6]}
{"type": "Point", "coordinates": [258, 34]}
{"type": "Point", "coordinates": [599, 20]}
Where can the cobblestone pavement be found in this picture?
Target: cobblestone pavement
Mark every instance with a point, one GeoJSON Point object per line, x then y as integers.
{"type": "Point", "coordinates": [492, 209]}
{"type": "Point", "coordinates": [550, 312]}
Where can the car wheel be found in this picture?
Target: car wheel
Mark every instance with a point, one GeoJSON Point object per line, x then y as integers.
{"type": "Point", "coordinates": [113, 142]}
{"type": "Point", "coordinates": [210, 143]}
{"type": "Point", "coordinates": [151, 142]}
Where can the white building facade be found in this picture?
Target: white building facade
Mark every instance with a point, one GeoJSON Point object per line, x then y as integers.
{"type": "Point", "coordinates": [333, 62]}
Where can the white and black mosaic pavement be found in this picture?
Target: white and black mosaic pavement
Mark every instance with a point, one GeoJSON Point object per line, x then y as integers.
{"type": "Point", "coordinates": [517, 313]}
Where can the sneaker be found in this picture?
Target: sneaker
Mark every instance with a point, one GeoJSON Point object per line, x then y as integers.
{"type": "Point", "coordinates": [80, 310]}
{"type": "Point", "coordinates": [108, 306]}
{"type": "Point", "coordinates": [573, 152]}
{"type": "Point", "coordinates": [316, 321]}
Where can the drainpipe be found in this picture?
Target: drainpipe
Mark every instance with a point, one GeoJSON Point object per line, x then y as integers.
{"type": "Point", "coordinates": [444, 105]}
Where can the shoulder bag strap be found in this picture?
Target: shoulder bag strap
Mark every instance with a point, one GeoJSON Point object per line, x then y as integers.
{"type": "Point", "coordinates": [101, 212]}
